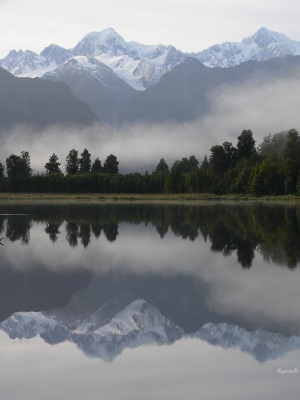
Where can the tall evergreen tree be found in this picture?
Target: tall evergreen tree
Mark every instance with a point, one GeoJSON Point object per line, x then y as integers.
{"type": "Point", "coordinates": [218, 160]}
{"type": "Point", "coordinates": [18, 166]}
{"type": "Point", "coordinates": [1, 171]}
{"type": "Point", "coordinates": [96, 166]}
{"type": "Point", "coordinates": [85, 162]}
{"type": "Point", "coordinates": [52, 167]}
{"type": "Point", "coordinates": [193, 164]}
{"type": "Point", "coordinates": [291, 160]}
{"type": "Point", "coordinates": [26, 162]}
{"type": "Point", "coordinates": [72, 165]}
{"type": "Point", "coordinates": [1, 176]}
{"type": "Point", "coordinates": [111, 165]}
{"type": "Point", "coordinates": [230, 153]}
{"type": "Point", "coordinates": [162, 166]}
{"type": "Point", "coordinates": [245, 145]}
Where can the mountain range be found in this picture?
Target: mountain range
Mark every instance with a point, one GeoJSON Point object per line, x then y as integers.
{"type": "Point", "coordinates": [128, 81]}
{"type": "Point", "coordinates": [140, 323]}
{"type": "Point", "coordinates": [107, 313]}
{"type": "Point", "coordinates": [141, 66]}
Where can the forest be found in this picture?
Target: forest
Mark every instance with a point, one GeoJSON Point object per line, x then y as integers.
{"type": "Point", "coordinates": [271, 168]}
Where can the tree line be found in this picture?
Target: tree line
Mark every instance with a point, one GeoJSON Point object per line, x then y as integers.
{"type": "Point", "coordinates": [272, 168]}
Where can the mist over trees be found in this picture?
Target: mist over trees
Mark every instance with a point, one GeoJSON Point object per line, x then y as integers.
{"type": "Point", "coordinates": [271, 168]}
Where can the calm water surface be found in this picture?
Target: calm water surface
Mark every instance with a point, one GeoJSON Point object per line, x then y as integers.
{"type": "Point", "coordinates": [137, 301]}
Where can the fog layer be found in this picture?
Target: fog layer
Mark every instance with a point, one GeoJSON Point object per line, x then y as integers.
{"type": "Point", "coordinates": [264, 109]}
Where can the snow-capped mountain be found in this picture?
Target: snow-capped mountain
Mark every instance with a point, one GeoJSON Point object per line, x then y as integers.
{"type": "Point", "coordinates": [141, 66]}
{"type": "Point", "coordinates": [142, 324]}
{"type": "Point", "coordinates": [27, 63]}
{"type": "Point", "coordinates": [262, 345]}
{"type": "Point", "coordinates": [138, 324]}
{"type": "Point", "coordinates": [262, 45]}
{"type": "Point", "coordinates": [104, 70]}
{"type": "Point", "coordinates": [138, 65]}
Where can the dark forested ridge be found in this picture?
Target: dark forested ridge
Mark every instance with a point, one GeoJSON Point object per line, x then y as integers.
{"type": "Point", "coordinates": [39, 103]}
{"type": "Point", "coordinates": [271, 168]}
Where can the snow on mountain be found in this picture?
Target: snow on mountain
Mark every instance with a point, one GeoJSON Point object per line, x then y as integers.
{"type": "Point", "coordinates": [95, 83]}
{"type": "Point", "coordinates": [27, 63]}
{"type": "Point", "coordinates": [262, 45]}
{"type": "Point", "coordinates": [138, 65]}
{"type": "Point", "coordinates": [82, 63]}
{"type": "Point", "coordinates": [107, 41]}
{"type": "Point", "coordinates": [142, 66]}
{"type": "Point", "coordinates": [138, 324]}
{"type": "Point", "coordinates": [56, 53]}
{"type": "Point", "coordinates": [262, 345]}
{"type": "Point", "coordinates": [142, 324]}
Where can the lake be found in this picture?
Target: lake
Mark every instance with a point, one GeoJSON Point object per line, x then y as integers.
{"type": "Point", "coordinates": [149, 301]}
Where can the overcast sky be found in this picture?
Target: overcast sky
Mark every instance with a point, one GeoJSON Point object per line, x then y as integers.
{"type": "Point", "coordinates": [190, 25]}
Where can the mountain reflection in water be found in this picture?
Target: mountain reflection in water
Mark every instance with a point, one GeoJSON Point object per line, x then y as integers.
{"type": "Point", "coordinates": [122, 275]}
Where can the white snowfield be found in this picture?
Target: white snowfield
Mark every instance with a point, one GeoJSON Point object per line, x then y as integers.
{"type": "Point", "coordinates": [142, 324]}
{"type": "Point", "coordinates": [261, 46]}
{"type": "Point", "coordinates": [141, 66]}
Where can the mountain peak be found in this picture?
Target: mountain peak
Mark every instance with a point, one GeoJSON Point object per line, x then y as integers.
{"type": "Point", "coordinates": [263, 31]}
{"type": "Point", "coordinates": [95, 43]}
{"type": "Point", "coordinates": [56, 53]}
{"type": "Point", "coordinates": [103, 36]}
{"type": "Point", "coordinates": [260, 46]}
{"type": "Point", "coordinates": [264, 37]}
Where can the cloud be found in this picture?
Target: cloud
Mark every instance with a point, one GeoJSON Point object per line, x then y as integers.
{"type": "Point", "coordinates": [255, 296]}
{"type": "Point", "coordinates": [264, 109]}
{"type": "Point", "coordinates": [137, 147]}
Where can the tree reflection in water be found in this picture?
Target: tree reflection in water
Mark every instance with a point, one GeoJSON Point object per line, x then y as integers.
{"type": "Point", "coordinates": [18, 228]}
{"type": "Point", "coordinates": [273, 230]}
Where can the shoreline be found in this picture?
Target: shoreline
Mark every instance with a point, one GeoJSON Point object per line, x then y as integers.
{"type": "Point", "coordinates": [121, 197]}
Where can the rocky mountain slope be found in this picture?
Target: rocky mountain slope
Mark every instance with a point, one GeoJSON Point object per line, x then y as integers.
{"type": "Point", "coordinates": [38, 102]}
{"type": "Point", "coordinates": [95, 83]}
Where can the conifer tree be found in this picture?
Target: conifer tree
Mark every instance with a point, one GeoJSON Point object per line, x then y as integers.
{"type": "Point", "coordinates": [85, 162]}
{"type": "Point", "coordinates": [96, 166]}
{"type": "Point", "coordinates": [72, 165]}
{"type": "Point", "coordinates": [52, 167]}
{"type": "Point", "coordinates": [111, 165]}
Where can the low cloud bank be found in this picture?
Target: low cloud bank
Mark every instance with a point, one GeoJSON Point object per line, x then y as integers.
{"type": "Point", "coordinates": [266, 109]}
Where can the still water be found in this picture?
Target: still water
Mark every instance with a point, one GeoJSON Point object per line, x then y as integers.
{"type": "Point", "coordinates": [148, 301]}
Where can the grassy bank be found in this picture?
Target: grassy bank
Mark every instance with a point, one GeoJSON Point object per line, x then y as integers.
{"type": "Point", "coordinates": [134, 197]}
